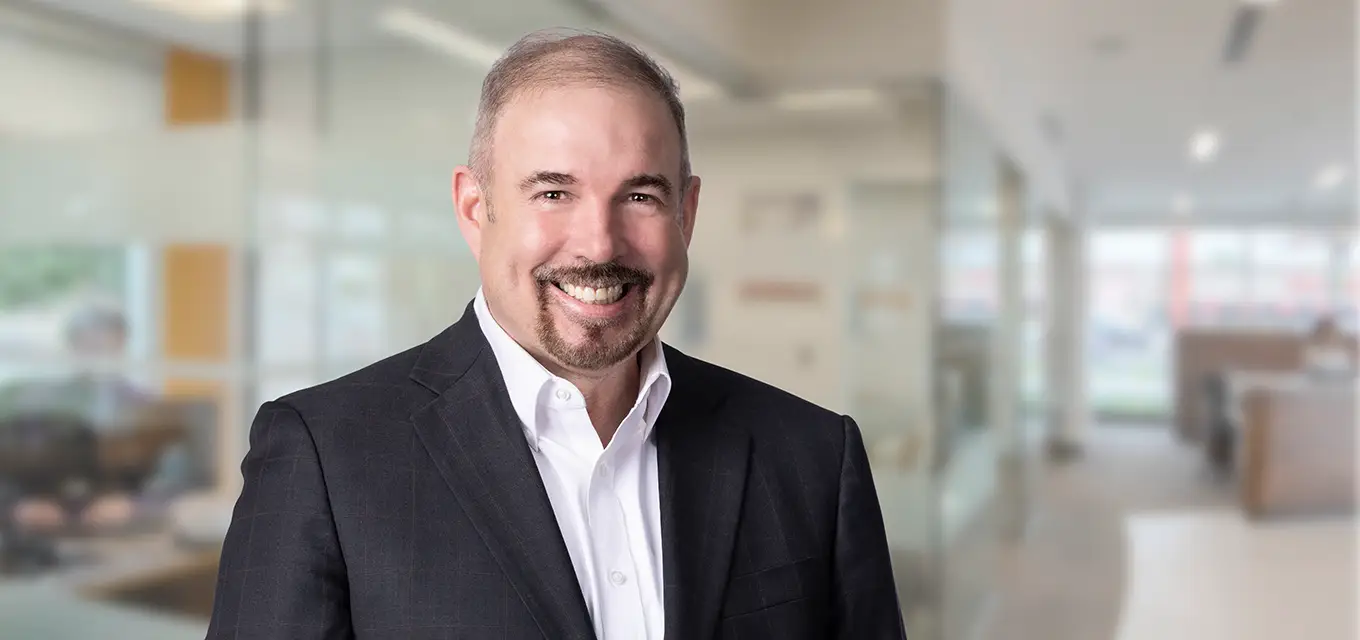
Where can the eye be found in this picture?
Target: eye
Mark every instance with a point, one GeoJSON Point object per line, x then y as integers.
{"type": "Point", "coordinates": [642, 198]}
{"type": "Point", "coordinates": [553, 195]}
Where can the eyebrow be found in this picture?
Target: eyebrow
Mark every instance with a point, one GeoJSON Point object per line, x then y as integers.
{"type": "Point", "coordinates": [546, 177]}
{"type": "Point", "coordinates": [656, 181]}
{"type": "Point", "coordinates": [557, 178]}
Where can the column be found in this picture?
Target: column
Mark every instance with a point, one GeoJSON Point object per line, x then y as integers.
{"type": "Point", "coordinates": [1068, 271]}
{"type": "Point", "coordinates": [1013, 468]}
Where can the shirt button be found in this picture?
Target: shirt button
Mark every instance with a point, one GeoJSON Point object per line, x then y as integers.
{"type": "Point", "coordinates": [563, 395]}
{"type": "Point", "coordinates": [618, 578]}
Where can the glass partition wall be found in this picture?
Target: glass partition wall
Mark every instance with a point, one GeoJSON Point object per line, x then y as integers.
{"type": "Point", "coordinates": [124, 170]}
{"type": "Point", "coordinates": [970, 363]}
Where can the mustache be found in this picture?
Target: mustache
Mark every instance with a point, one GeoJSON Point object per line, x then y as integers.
{"type": "Point", "coordinates": [599, 274]}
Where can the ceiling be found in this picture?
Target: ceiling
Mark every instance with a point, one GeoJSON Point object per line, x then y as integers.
{"type": "Point", "coordinates": [1094, 98]}
{"type": "Point", "coordinates": [1148, 74]}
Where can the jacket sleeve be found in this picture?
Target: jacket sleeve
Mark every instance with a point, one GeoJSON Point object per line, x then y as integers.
{"type": "Point", "coordinates": [281, 574]}
{"type": "Point", "coordinates": [865, 605]}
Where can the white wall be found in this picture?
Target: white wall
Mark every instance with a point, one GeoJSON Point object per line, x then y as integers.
{"type": "Point", "coordinates": [156, 186]}
{"type": "Point", "coordinates": [830, 163]}
{"type": "Point", "coordinates": [62, 93]}
{"type": "Point", "coordinates": [895, 238]}
{"type": "Point", "coordinates": [85, 155]}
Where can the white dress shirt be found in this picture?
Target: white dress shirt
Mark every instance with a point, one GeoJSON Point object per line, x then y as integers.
{"type": "Point", "coordinates": [605, 497]}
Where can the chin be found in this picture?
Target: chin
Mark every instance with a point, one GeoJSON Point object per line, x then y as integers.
{"type": "Point", "coordinates": [586, 342]}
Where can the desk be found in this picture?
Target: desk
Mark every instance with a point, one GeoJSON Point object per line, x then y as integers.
{"type": "Point", "coordinates": [74, 603]}
{"type": "Point", "coordinates": [1240, 383]}
{"type": "Point", "coordinates": [1297, 451]}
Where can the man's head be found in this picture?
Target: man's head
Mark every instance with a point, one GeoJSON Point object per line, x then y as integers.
{"type": "Point", "coordinates": [97, 331]}
{"type": "Point", "coordinates": [578, 202]}
{"type": "Point", "coordinates": [1326, 329]}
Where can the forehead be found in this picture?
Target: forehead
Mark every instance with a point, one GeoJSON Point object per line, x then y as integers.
{"type": "Point", "coordinates": [589, 131]}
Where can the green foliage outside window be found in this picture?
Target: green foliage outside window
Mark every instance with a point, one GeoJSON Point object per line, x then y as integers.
{"type": "Point", "coordinates": [34, 275]}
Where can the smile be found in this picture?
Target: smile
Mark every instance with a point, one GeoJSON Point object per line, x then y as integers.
{"type": "Point", "coordinates": [593, 295]}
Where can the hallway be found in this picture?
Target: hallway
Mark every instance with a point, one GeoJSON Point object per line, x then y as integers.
{"type": "Point", "coordinates": [1066, 582]}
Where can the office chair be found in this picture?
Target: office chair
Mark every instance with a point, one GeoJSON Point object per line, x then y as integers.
{"type": "Point", "coordinates": [48, 456]}
{"type": "Point", "coordinates": [1221, 434]}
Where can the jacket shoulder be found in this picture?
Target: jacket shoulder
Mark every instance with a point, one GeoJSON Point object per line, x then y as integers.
{"type": "Point", "coordinates": [742, 393]}
{"type": "Point", "coordinates": [381, 386]}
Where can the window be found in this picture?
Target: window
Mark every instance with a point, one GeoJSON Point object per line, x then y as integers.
{"type": "Point", "coordinates": [1289, 275]}
{"type": "Point", "coordinates": [1145, 283]}
{"type": "Point", "coordinates": [43, 286]}
{"type": "Point", "coordinates": [1218, 277]}
{"type": "Point", "coordinates": [1128, 331]}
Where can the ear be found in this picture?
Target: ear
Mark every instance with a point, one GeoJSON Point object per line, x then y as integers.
{"type": "Point", "coordinates": [470, 207]}
{"type": "Point", "coordinates": [689, 208]}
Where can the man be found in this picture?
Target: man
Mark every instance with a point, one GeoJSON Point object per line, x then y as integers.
{"type": "Point", "coordinates": [546, 468]}
{"type": "Point", "coordinates": [1327, 351]}
{"type": "Point", "coordinates": [108, 403]}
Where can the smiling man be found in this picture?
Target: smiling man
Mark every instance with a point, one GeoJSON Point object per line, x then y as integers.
{"type": "Point", "coordinates": [546, 468]}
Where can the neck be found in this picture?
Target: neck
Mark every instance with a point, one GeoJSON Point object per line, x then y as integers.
{"type": "Point", "coordinates": [609, 394]}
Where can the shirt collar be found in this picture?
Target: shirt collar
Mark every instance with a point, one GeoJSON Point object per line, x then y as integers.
{"type": "Point", "coordinates": [526, 379]}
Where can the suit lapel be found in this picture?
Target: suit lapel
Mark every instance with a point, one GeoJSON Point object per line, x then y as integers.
{"type": "Point", "coordinates": [703, 458]}
{"type": "Point", "coordinates": [479, 448]}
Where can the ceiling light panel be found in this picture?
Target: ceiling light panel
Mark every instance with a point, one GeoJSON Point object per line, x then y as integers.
{"type": "Point", "coordinates": [1204, 145]}
{"type": "Point", "coordinates": [1330, 177]}
{"type": "Point", "coordinates": [214, 10]}
{"type": "Point", "coordinates": [440, 36]}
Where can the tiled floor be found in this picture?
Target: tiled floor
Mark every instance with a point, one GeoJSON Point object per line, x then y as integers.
{"type": "Point", "coordinates": [1136, 541]}
{"type": "Point", "coordinates": [1066, 581]}
{"type": "Point", "coordinates": [1211, 575]}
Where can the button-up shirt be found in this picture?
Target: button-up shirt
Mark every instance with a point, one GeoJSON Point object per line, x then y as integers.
{"type": "Point", "coordinates": [605, 496]}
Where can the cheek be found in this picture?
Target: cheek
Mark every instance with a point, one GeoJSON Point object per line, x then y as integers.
{"type": "Point", "coordinates": [662, 248]}
{"type": "Point", "coordinates": [516, 248]}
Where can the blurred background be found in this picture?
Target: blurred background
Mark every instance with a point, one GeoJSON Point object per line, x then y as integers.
{"type": "Point", "coordinates": [1084, 271]}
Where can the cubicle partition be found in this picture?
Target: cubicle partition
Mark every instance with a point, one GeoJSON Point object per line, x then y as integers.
{"type": "Point", "coordinates": [1201, 352]}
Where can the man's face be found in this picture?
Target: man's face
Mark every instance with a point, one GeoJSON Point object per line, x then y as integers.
{"type": "Point", "coordinates": [99, 342]}
{"type": "Point", "coordinates": [582, 233]}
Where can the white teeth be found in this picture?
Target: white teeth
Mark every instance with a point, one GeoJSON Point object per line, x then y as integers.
{"type": "Point", "coordinates": [590, 295]}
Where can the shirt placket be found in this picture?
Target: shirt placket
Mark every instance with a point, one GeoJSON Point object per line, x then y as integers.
{"type": "Point", "coordinates": [613, 552]}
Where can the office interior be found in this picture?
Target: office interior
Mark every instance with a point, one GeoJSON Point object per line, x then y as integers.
{"type": "Point", "coordinates": [1084, 272]}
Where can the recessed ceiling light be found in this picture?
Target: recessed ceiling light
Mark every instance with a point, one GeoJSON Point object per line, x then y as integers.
{"type": "Point", "coordinates": [1330, 177]}
{"type": "Point", "coordinates": [215, 10]}
{"type": "Point", "coordinates": [1204, 145]}
{"type": "Point", "coordinates": [1182, 204]}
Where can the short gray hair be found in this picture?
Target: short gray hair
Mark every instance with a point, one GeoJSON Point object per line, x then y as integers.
{"type": "Point", "coordinates": [556, 57]}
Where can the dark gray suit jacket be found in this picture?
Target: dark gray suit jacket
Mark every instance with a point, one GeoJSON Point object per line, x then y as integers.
{"type": "Point", "coordinates": [402, 501]}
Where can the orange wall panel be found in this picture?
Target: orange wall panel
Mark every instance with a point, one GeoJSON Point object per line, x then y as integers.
{"type": "Point", "coordinates": [197, 88]}
{"type": "Point", "coordinates": [196, 288]}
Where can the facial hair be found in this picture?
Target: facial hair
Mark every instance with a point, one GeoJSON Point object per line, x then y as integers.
{"type": "Point", "coordinates": [598, 351]}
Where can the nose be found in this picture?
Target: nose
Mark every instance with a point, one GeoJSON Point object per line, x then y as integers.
{"type": "Point", "coordinates": [596, 232]}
